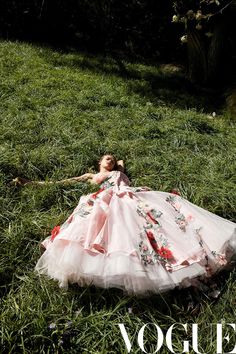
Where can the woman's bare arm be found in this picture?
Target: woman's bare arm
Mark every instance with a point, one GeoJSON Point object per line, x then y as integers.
{"type": "Point", "coordinates": [85, 177]}
{"type": "Point", "coordinates": [23, 181]}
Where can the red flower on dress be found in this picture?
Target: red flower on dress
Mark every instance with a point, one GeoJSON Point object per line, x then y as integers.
{"type": "Point", "coordinates": [174, 191]}
{"type": "Point", "coordinates": [152, 240]}
{"type": "Point", "coordinates": [55, 231]}
{"type": "Point", "coordinates": [165, 253]}
{"type": "Point", "coordinates": [150, 235]}
{"type": "Point", "coordinates": [152, 218]}
{"type": "Point", "coordinates": [94, 195]}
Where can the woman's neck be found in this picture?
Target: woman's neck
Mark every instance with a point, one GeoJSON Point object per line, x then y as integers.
{"type": "Point", "coordinates": [103, 170]}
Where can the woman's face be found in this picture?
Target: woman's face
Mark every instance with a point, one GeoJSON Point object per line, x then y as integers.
{"type": "Point", "coordinates": [107, 162]}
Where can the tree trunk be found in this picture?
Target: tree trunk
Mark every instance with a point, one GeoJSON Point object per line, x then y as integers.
{"type": "Point", "coordinates": [197, 58]}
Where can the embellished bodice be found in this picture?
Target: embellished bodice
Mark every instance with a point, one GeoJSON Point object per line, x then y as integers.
{"type": "Point", "coordinates": [111, 179]}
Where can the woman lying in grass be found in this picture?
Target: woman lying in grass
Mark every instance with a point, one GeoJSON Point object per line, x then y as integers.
{"type": "Point", "coordinates": [135, 239]}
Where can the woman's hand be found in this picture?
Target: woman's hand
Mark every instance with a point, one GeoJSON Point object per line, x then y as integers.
{"type": "Point", "coordinates": [120, 165]}
{"type": "Point", "coordinates": [21, 181]}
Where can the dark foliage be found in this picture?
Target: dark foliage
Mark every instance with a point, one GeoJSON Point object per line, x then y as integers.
{"type": "Point", "coordinates": [209, 28]}
{"type": "Point", "coordinates": [137, 27]}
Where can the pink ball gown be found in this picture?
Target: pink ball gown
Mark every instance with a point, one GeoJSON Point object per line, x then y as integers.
{"type": "Point", "coordinates": [139, 240]}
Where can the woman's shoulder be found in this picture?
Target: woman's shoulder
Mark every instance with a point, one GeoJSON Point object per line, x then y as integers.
{"type": "Point", "coordinates": [100, 177]}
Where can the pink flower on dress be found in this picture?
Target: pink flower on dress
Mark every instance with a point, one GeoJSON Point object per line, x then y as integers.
{"type": "Point", "coordinates": [182, 225]}
{"type": "Point", "coordinates": [177, 206]}
{"type": "Point", "coordinates": [221, 259]}
{"type": "Point", "coordinates": [189, 217]}
{"type": "Point", "coordinates": [145, 248]}
{"type": "Point", "coordinates": [55, 231]}
{"type": "Point", "coordinates": [149, 259]}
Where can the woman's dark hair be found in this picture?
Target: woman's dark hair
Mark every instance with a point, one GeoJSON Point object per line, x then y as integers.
{"type": "Point", "coordinates": [115, 166]}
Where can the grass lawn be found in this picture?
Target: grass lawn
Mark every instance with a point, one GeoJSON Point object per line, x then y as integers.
{"type": "Point", "coordinates": [59, 113]}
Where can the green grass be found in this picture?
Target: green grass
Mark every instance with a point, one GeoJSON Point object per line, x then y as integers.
{"type": "Point", "coordinates": [59, 113]}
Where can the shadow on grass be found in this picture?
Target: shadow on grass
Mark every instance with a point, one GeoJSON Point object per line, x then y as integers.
{"type": "Point", "coordinates": [178, 303]}
{"type": "Point", "coordinates": [156, 82]}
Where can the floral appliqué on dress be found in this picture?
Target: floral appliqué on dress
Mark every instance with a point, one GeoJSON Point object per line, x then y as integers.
{"type": "Point", "coordinates": [153, 247]}
{"type": "Point", "coordinates": [83, 209]}
{"type": "Point", "coordinates": [180, 219]}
